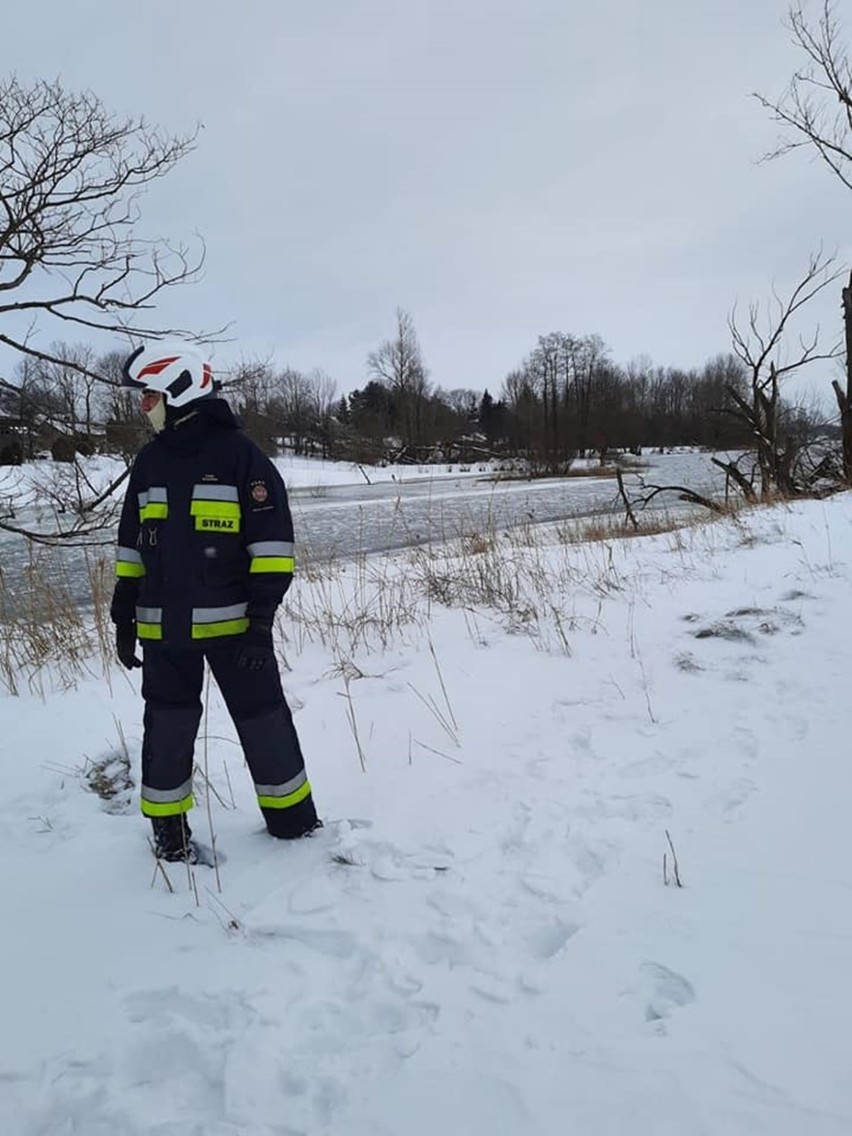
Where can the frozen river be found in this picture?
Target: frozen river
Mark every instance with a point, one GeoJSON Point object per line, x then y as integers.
{"type": "Point", "coordinates": [345, 520]}
{"type": "Point", "coordinates": [342, 521]}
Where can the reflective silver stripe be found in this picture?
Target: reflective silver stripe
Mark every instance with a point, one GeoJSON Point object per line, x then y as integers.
{"type": "Point", "coordinates": [156, 495]}
{"type": "Point", "coordinates": [271, 548]}
{"type": "Point", "coordinates": [282, 790]}
{"type": "Point", "coordinates": [149, 615]}
{"type": "Point", "coordinates": [167, 796]}
{"type": "Point", "coordinates": [128, 555]}
{"type": "Point", "coordinates": [215, 493]}
{"type": "Point", "coordinates": [218, 614]}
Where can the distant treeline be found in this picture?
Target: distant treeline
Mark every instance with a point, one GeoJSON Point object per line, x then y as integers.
{"type": "Point", "coordinates": [568, 398]}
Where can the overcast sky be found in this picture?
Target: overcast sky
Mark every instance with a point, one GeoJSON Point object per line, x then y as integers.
{"type": "Point", "coordinates": [499, 169]}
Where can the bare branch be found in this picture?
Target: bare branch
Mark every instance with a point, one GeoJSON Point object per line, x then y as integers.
{"type": "Point", "coordinates": [755, 346]}
{"type": "Point", "coordinates": [71, 175]}
{"type": "Point", "coordinates": [816, 108]}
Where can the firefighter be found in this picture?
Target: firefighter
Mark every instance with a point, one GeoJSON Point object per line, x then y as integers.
{"type": "Point", "coordinates": [205, 556]}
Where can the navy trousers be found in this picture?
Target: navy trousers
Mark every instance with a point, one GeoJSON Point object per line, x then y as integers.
{"type": "Point", "coordinates": [172, 683]}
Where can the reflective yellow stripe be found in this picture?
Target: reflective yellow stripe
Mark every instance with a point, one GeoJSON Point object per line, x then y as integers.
{"type": "Point", "coordinates": [215, 509]}
{"type": "Point", "coordinates": [288, 801]}
{"type": "Point", "coordinates": [153, 504]}
{"type": "Point", "coordinates": [212, 630]}
{"type": "Point", "coordinates": [149, 630]}
{"type": "Point", "coordinates": [124, 568]}
{"type": "Point", "coordinates": [170, 808]}
{"type": "Point", "coordinates": [273, 564]}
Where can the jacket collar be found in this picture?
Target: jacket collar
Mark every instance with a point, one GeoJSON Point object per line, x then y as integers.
{"type": "Point", "coordinates": [199, 420]}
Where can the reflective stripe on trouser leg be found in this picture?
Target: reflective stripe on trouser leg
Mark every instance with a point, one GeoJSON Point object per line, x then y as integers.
{"type": "Point", "coordinates": [167, 802]}
{"type": "Point", "coordinates": [168, 748]}
{"type": "Point", "coordinates": [271, 746]}
{"type": "Point", "coordinates": [274, 756]}
{"type": "Point", "coordinates": [269, 740]}
{"type": "Point", "coordinates": [286, 795]}
{"type": "Point", "coordinates": [171, 687]}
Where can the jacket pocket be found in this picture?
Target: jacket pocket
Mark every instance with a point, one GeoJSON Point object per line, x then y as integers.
{"type": "Point", "coordinates": [222, 564]}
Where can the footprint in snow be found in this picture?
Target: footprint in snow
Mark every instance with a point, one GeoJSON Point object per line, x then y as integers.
{"type": "Point", "coordinates": [727, 802]}
{"type": "Point", "coordinates": [665, 990]}
{"type": "Point", "coordinates": [547, 940]}
{"type": "Point", "coordinates": [437, 949]}
{"type": "Point", "coordinates": [330, 942]}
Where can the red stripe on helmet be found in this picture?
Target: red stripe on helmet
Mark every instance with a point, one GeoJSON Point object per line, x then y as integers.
{"type": "Point", "coordinates": [157, 367]}
{"type": "Point", "coordinates": [208, 376]}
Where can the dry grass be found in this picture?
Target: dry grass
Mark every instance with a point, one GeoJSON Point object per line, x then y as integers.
{"type": "Point", "coordinates": [609, 526]}
{"type": "Point", "coordinates": [536, 580]}
{"type": "Point", "coordinates": [44, 630]}
{"type": "Point", "coordinates": [544, 581]}
{"type": "Point", "coordinates": [574, 472]}
{"type": "Point", "coordinates": [109, 776]}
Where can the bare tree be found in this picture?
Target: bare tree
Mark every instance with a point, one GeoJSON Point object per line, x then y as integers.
{"type": "Point", "coordinates": [293, 406]}
{"type": "Point", "coordinates": [70, 178]}
{"type": "Point", "coordinates": [586, 359]}
{"type": "Point", "coordinates": [322, 397]}
{"type": "Point", "coordinates": [815, 112]}
{"type": "Point", "coordinates": [545, 372]}
{"type": "Point", "coordinates": [126, 429]}
{"type": "Point", "coordinates": [844, 397]}
{"type": "Point", "coordinates": [71, 175]}
{"type": "Point", "coordinates": [816, 108]}
{"type": "Point", "coordinates": [761, 347]}
{"type": "Point", "coordinates": [398, 363]}
{"type": "Point", "coordinates": [68, 377]}
{"type": "Point", "coordinates": [522, 401]}
{"type": "Point", "coordinates": [463, 402]}
{"type": "Point", "coordinates": [251, 387]}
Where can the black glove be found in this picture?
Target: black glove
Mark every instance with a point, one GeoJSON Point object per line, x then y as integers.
{"type": "Point", "coordinates": [125, 645]}
{"type": "Point", "coordinates": [255, 648]}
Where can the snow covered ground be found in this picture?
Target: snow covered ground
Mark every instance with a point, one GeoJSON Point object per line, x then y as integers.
{"type": "Point", "coordinates": [481, 942]}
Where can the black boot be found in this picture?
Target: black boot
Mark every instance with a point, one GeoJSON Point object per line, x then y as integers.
{"type": "Point", "coordinates": [315, 827]}
{"type": "Point", "coordinates": [293, 823]}
{"type": "Point", "coordinates": [173, 839]}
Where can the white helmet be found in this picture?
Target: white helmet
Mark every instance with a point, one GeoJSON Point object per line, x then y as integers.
{"type": "Point", "coordinates": [176, 370]}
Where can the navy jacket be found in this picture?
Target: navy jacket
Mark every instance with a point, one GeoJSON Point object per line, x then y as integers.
{"type": "Point", "coordinates": [205, 541]}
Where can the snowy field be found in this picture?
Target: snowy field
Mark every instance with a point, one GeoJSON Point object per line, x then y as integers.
{"type": "Point", "coordinates": [484, 940]}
